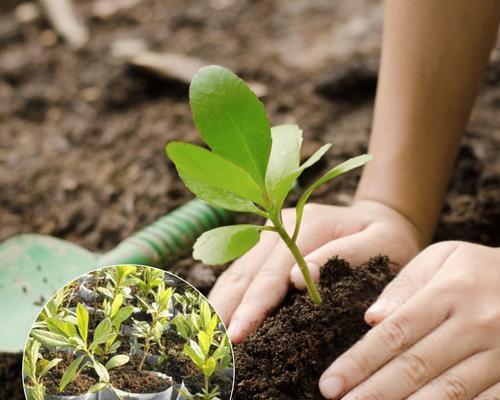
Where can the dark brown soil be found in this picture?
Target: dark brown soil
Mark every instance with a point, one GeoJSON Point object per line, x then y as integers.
{"type": "Point", "coordinates": [82, 137]}
{"type": "Point", "coordinates": [130, 379]}
{"type": "Point", "coordinates": [81, 384]}
{"type": "Point", "coordinates": [10, 376]}
{"type": "Point", "coordinates": [284, 359]}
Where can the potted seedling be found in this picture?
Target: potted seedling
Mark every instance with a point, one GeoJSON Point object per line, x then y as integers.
{"type": "Point", "coordinates": [251, 167]}
{"type": "Point", "coordinates": [35, 367]}
{"type": "Point", "coordinates": [73, 333]}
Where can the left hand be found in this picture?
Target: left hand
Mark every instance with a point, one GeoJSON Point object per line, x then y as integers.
{"type": "Point", "coordinates": [437, 333]}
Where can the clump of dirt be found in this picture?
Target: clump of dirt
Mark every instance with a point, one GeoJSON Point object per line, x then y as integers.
{"type": "Point", "coordinates": [286, 356]}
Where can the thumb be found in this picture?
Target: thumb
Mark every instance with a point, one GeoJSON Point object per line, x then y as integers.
{"type": "Point", "coordinates": [409, 281]}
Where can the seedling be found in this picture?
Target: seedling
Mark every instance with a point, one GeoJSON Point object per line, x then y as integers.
{"type": "Point", "coordinates": [205, 357]}
{"type": "Point", "coordinates": [250, 167]}
{"type": "Point", "coordinates": [74, 334]}
{"type": "Point", "coordinates": [35, 368]}
{"type": "Point", "coordinates": [152, 332]}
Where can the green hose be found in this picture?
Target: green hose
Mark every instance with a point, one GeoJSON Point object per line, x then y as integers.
{"type": "Point", "coordinates": [169, 238]}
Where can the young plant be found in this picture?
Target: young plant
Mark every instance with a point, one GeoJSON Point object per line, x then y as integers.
{"type": "Point", "coordinates": [151, 278]}
{"type": "Point", "coordinates": [250, 167]}
{"type": "Point", "coordinates": [152, 332]}
{"type": "Point", "coordinates": [119, 280]}
{"type": "Point", "coordinates": [73, 333]}
{"type": "Point", "coordinates": [35, 368]}
{"type": "Point", "coordinates": [117, 314]}
{"type": "Point", "coordinates": [209, 355]}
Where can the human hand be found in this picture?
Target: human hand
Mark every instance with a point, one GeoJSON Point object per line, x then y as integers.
{"type": "Point", "coordinates": [257, 282]}
{"type": "Point", "coordinates": [437, 333]}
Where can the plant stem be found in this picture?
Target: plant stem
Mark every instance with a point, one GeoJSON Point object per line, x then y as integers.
{"type": "Point", "coordinates": [292, 246]}
{"type": "Point", "coordinates": [207, 385]}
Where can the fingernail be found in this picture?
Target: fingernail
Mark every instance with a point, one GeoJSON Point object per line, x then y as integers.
{"type": "Point", "coordinates": [233, 330]}
{"type": "Point", "coordinates": [377, 309]}
{"type": "Point", "coordinates": [331, 387]}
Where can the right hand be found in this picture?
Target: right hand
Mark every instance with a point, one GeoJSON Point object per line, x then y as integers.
{"type": "Point", "coordinates": [257, 282]}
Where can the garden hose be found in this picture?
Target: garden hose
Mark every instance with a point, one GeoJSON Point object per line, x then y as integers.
{"type": "Point", "coordinates": [169, 238]}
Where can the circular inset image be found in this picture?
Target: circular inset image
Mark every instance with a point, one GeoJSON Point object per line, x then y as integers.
{"type": "Point", "coordinates": [128, 332]}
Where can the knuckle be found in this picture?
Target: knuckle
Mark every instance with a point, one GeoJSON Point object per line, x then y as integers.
{"type": "Point", "coordinates": [489, 322]}
{"type": "Point", "coordinates": [394, 333]}
{"type": "Point", "coordinates": [464, 281]}
{"type": "Point", "coordinates": [358, 365]}
{"type": "Point", "coordinates": [234, 277]}
{"type": "Point", "coordinates": [414, 368]}
{"type": "Point", "coordinates": [453, 387]}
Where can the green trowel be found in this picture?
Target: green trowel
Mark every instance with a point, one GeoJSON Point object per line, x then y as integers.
{"type": "Point", "coordinates": [33, 267]}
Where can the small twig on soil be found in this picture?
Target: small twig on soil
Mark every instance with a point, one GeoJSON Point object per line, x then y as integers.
{"type": "Point", "coordinates": [64, 19]}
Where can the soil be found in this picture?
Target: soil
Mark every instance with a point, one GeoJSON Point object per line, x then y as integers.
{"type": "Point", "coordinates": [10, 373]}
{"type": "Point", "coordinates": [82, 136]}
{"type": "Point", "coordinates": [130, 379]}
{"type": "Point", "coordinates": [81, 384]}
{"type": "Point", "coordinates": [286, 356]}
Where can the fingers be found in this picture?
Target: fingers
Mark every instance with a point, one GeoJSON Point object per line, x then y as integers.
{"type": "Point", "coordinates": [265, 292]}
{"type": "Point", "coordinates": [419, 365]}
{"type": "Point", "coordinates": [232, 284]}
{"type": "Point", "coordinates": [393, 336]}
{"type": "Point", "coordinates": [409, 281]}
{"type": "Point", "coordinates": [493, 393]}
{"type": "Point", "coordinates": [466, 381]}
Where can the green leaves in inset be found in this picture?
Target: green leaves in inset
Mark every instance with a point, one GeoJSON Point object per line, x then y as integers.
{"type": "Point", "coordinates": [117, 361]}
{"type": "Point", "coordinates": [231, 119]}
{"type": "Point", "coordinates": [82, 321]}
{"type": "Point", "coordinates": [221, 245]}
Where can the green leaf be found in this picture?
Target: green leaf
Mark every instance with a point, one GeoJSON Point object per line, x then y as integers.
{"type": "Point", "coordinates": [103, 332]}
{"type": "Point", "coordinates": [284, 169]}
{"type": "Point", "coordinates": [221, 245]}
{"type": "Point", "coordinates": [46, 366]}
{"type": "Point", "coordinates": [231, 119]}
{"type": "Point", "coordinates": [122, 315]}
{"type": "Point", "coordinates": [49, 339]}
{"type": "Point", "coordinates": [285, 153]}
{"type": "Point", "coordinates": [333, 173]}
{"type": "Point", "coordinates": [205, 166]}
{"type": "Point", "coordinates": [82, 320]}
{"type": "Point", "coordinates": [204, 343]}
{"type": "Point", "coordinates": [117, 361]}
{"type": "Point", "coordinates": [218, 197]}
{"type": "Point", "coordinates": [209, 367]}
{"type": "Point", "coordinates": [117, 303]}
{"type": "Point", "coordinates": [70, 373]}
{"type": "Point", "coordinates": [193, 351]}
{"type": "Point", "coordinates": [98, 387]}
{"type": "Point", "coordinates": [101, 372]}
{"type": "Point", "coordinates": [65, 328]}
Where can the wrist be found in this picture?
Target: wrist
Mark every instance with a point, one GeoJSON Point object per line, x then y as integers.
{"type": "Point", "coordinates": [386, 212]}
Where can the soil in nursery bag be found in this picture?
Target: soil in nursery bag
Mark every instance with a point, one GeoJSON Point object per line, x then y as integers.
{"type": "Point", "coordinates": [286, 356]}
{"type": "Point", "coordinates": [129, 379]}
{"type": "Point", "coordinates": [80, 385]}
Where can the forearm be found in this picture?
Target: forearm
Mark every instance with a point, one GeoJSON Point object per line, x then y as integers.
{"type": "Point", "coordinates": [433, 58]}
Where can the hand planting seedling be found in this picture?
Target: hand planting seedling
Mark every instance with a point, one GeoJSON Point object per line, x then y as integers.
{"type": "Point", "coordinates": [125, 344]}
{"type": "Point", "coordinates": [251, 167]}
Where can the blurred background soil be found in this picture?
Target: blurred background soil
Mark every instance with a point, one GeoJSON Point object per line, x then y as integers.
{"type": "Point", "coordinates": [82, 133]}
